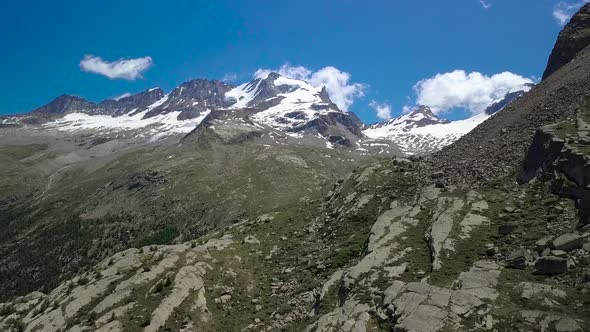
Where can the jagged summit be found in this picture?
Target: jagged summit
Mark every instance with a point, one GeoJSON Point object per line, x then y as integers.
{"type": "Point", "coordinates": [274, 102]}
{"type": "Point", "coordinates": [63, 104]}
{"type": "Point", "coordinates": [419, 117]}
{"type": "Point", "coordinates": [133, 103]}
{"type": "Point", "coordinates": [572, 39]}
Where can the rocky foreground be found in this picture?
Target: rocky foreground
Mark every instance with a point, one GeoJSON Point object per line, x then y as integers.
{"type": "Point", "coordinates": [378, 258]}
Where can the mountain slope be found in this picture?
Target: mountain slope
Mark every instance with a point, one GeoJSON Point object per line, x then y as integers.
{"type": "Point", "coordinates": [495, 149]}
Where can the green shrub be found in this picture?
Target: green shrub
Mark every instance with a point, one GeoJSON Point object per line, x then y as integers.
{"type": "Point", "coordinates": [164, 236]}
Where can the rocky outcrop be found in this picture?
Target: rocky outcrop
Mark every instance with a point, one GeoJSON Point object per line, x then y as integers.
{"type": "Point", "coordinates": [572, 39]}
{"type": "Point", "coordinates": [106, 299]}
{"type": "Point", "coordinates": [422, 307]}
{"type": "Point", "coordinates": [559, 155]}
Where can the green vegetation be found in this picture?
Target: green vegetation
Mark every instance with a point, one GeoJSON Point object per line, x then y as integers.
{"type": "Point", "coordinates": [163, 236]}
{"type": "Point", "coordinates": [140, 198]}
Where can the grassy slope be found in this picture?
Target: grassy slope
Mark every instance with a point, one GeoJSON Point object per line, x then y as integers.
{"type": "Point", "coordinates": [148, 196]}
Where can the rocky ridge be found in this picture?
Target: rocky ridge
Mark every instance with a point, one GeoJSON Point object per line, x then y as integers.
{"type": "Point", "coordinates": [572, 39]}
{"type": "Point", "coordinates": [280, 104]}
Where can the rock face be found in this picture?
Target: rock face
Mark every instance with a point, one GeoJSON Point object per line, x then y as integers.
{"type": "Point", "coordinates": [131, 104]}
{"type": "Point", "coordinates": [562, 159]}
{"type": "Point", "coordinates": [572, 39]}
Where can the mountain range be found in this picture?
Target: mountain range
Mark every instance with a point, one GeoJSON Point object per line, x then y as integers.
{"type": "Point", "coordinates": [273, 103]}
{"type": "Point", "coordinates": [264, 207]}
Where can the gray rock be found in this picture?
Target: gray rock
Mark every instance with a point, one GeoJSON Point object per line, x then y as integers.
{"type": "Point", "coordinates": [567, 242]}
{"type": "Point", "coordinates": [542, 243]}
{"type": "Point", "coordinates": [558, 253]}
{"type": "Point", "coordinates": [567, 324]}
{"type": "Point", "coordinates": [509, 209]}
{"type": "Point", "coordinates": [251, 239]}
{"type": "Point", "coordinates": [586, 247]}
{"type": "Point", "coordinates": [518, 259]}
{"type": "Point", "coordinates": [531, 290]}
{"type": "Point", "coordinates": [549, 265]}
{"type": "Point", "coordinates": [491, 250]}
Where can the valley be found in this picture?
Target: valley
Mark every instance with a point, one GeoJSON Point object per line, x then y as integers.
{"type": "Point", "coordinates": [266, 207]}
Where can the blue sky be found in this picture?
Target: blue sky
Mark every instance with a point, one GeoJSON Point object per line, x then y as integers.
{"type": "Point", "coordinates": [387, 46]}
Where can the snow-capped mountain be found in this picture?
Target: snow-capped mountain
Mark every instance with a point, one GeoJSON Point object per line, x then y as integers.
{"type": "Point", "coordinates": [284, 102]}
{"type": "Point", "coordinates": [422, 132]}
{"type": "Point", "coordinates": [498, 105]}
{"type": "Point", "coordinates": [272, 103]}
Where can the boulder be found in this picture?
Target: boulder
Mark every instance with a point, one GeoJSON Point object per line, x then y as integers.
{"type": "Point", "coordinates": [542, 243]}
{"type": "Point", "coordinates": [567, 324]}
{"type": "Point", "coordinates": [550, 265]}
{"type": "Point", "coordinates": [491, 250]}
{"type": "Point", "coordinates": [558, 253]}
{"type": "Point", "coordinates": [567, 242]}
{"type": "Point", "coordinates": [518, 259]}
{"type": "Point", "coordinates": [251, 239]}
{"type": "Point", "coordinates": [586, 247]}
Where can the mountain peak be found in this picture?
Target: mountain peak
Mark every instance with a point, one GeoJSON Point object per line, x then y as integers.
{"type": "Point", "coordinates": [63, 104]}
{"type": "Point", "coordinates": [424, 110]}
{"type": "Point", "coordinates": [574, 37]}
{"type": "Point", "coordinates": [419, 117]}
{"type": "Point", "coordinates": [272, 76]}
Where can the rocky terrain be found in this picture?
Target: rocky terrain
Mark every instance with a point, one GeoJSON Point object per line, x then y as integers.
{"type": "Point", "coordinates": [249, 223]}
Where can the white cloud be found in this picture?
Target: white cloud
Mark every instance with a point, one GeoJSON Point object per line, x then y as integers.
{"type": "Point", "coordinates": [337, 83]}
{"type": "Point", "coordinates": [126, 94]}
{"type": "Point", "coordinates": [127, 69]}
{"type": "Point", "coordinates": [229, 77]}
{"type": "Point", "coordinates": [407, 109]}
{"type": "Point", "coordinates": [485, 5]}
{"type": "Point", "coordinates": [563, 11]}
{"type": "Point", "coordinates": [471, 91]}
{"type": "Point", "coordinates": [383, 110]}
